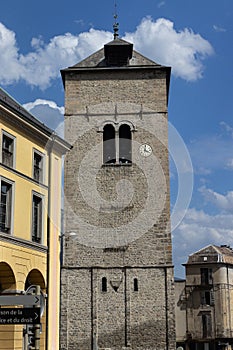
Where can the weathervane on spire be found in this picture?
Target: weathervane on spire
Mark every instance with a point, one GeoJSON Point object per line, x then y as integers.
{"type": "Point", "coordinates": [116, 24]}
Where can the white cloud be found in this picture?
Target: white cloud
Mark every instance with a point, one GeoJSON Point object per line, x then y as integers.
{"type": "Point", "coordinates": [224, 203]}
{"type": "Point", "coordinates": [10, 67]}
{"type": "Point", "coordinates": [183, 50]}
{"type": "Point", "coordinates": [219, 29]}
{"type": "Point", "coordinates": [227, 128]}
{"type": "Point", "coordinates": [43, 64]}
{"type": "Point", "coordinates": [230, 164]}
{"type": "Point", "coordinates": [49, 113]}
{"type": "Point", "coordinates": [80, 22]}
{"type": "Point", "coordinates": [217, 154]}
{"type": "Point", "coordinates": [38, 102]}
{"type": "Point", "coordinates": [197, 230]}
{"type": "Point", "coordinates": [161, 3]}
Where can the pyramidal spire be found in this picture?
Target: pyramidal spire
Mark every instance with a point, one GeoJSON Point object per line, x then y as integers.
{"type": "Point", "coordinates": [116, 24]}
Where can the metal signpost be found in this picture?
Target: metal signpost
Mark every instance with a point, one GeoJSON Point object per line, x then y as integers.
{"type": "Point", "coordinates": [29, 314]}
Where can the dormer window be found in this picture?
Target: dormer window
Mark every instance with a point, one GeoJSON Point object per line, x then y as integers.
{"type": "Point", "coordinates": [118, 53]}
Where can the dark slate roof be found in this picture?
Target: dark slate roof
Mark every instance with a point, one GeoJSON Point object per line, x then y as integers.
{"type": "Point", "coordinates": [11, 104]}
{"type": "Point", "coordinates": [212, 254]}
{"type": "Point", "coordinates": [97, 61]}
{"type": "Point", "coordinates": [119, 41]}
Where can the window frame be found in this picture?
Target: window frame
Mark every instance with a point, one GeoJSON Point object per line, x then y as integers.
{"type": "Point", "coordinates": [206, 276]}
{"type": "Point", "coordinates": [42, 169]}
{"type": "Point", "coordinates": [125, 152]}
{"type": "Point", "coordinates": [207, 297]}
{"type": "Point", "coordinates": [108, 143]}
{"type": "Point", "coordinates": [11, 210]}
{"type": "Point", "coordinates": [13, 139]}
{"type": "Point", "coordinates": [41, 214]}
{"type": "Point", "coordinates": [117, 142]}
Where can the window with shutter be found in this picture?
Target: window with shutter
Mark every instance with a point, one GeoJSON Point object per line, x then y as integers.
{"type": "Point", "coordinates": [5, 207]}
{"type": "Point", "coordinates": [211, 297]}
{"type": "Point", "coordinates": [206, 276]}
{"type": "Point", "coordinates": [207, 297]}
{"type": "Point", "coordinates": [38, 166]}
{"type": "Point", "coordinates": [8, 149]}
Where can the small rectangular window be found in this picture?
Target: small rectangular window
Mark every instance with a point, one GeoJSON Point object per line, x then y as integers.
{"type": "Point", "coordinates": [206, 276]}
{"type": "Point", "coordinates": [135, 285]}
{"type": "Point", "coordinates": [5, 207]}
{"type": "Point", "coordinates": [104, 284]}
{"type": "Point", "coordinates": [37, 219]}
{"type": "Point", "coordinates": [38, 171]}
{"type": "Point", "coordinates": [7, 149]}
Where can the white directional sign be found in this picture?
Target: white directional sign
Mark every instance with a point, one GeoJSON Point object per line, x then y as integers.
{"type": "Point", "coordinates": [20, 300]}
{"type": "Point", "coordinates": [20, 316]}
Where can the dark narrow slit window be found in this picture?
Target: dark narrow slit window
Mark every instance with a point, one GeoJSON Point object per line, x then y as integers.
{"type": "Point", "coordinates": [36, 219]}
{"type": "Point", "coordinates": [135, 285]}
{"type": "Point", "coordinates": [104, 284]}
{"type": "Point", "coordinates": [109, 145]}
{"type": "Point", "coordinates": [37, 167]}
{"type": "Point", "coordinates": [125, 147]}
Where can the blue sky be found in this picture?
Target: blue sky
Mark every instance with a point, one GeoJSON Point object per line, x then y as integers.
{"type": "Point", "coordinates": [193, 37]}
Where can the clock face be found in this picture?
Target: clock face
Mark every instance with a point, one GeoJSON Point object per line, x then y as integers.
{"type": "Point", "coordinates": [145, 150]}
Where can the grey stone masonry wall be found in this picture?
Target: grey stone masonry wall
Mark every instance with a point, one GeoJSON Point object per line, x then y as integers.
{"type": "Point", "coordinates": [119, 317]}
{"type": "Point", "coordinates": [117, 216]}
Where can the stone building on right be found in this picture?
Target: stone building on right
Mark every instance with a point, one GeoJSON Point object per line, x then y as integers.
{"type": "Point", "coordinates": [207, 298]}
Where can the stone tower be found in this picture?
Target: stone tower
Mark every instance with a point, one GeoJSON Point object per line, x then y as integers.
{"type": "Point", "coordinates": [117, 273]}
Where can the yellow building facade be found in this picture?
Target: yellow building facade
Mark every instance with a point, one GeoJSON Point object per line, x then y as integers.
{"type": "Point", "coordinates": [30, 217]}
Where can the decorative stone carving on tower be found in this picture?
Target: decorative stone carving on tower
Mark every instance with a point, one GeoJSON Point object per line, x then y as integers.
{"type": "Point", "coordinates": [117, 272]}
